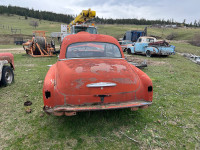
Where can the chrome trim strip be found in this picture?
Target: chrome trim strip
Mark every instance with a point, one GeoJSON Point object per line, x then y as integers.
{"type": "Point", "coordinates": [89, 58]}
{"type": "Point", "coordinates": [101, 84]}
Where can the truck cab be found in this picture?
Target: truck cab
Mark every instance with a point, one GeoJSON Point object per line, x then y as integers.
{"type": "Point", "coordinates": [78, 28]}
{"type": "Point", "coordinates": [142, 42]}
{"type": "Point", "coordinates": [75, 29]}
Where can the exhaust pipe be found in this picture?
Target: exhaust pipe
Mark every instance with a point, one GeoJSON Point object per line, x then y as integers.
{"type": "Point", "coordinates": [73, 113]}
{"type": "Point", "coordinates": [134, 108]}
{"type": "Point", "coordinates": [144, 107]}
{"type": "Point", "coordinates": [57, 113]}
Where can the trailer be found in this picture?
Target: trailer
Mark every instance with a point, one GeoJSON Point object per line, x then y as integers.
{"type": "Point", "coordinates": [133, 35]}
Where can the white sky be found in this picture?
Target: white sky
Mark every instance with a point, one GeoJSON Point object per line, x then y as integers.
{"type": "Point", "coordinates": [148, 9]}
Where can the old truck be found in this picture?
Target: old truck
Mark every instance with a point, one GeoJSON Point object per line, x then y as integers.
{"type": "Point", "coordinates": [150, 46]}
{"type": "Point", "coordinates": [6, 68]}
{"type": "Point", "coordinates": [78, 24]}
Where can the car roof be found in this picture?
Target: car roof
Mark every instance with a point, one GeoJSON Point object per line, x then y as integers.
{"type": "Point", "coordinates": [86, 37]}
{"type": "Point", "coordinates": [125, 41]}
{"type": "Point", "coordinates": [147, 37]}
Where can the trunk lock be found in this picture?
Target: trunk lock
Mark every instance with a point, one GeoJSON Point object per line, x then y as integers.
{"type": "Point", "coordinates": [102, 97]}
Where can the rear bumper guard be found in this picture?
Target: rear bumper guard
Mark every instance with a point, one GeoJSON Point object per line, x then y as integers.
{"type": "Point", "coordinates": [75, 108]}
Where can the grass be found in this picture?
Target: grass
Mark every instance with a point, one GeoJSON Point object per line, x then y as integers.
{"type": "Point", "coordinates": [19, 22]}
{"type": "Point", "coordinates": [187, 48]}
{"type": "Point", "coordinates": [172, 122]}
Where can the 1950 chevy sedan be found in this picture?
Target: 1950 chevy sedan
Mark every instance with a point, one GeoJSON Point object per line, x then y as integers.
{"type": "Point", "coordinates": [92, 74]}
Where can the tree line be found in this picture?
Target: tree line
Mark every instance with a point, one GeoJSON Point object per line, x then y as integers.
{"type": "Point", "coordinates": [45, 15]}
{"type": "Point", "coordinates": [66, 18]}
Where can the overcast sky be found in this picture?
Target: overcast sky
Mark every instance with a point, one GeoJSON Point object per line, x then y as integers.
{"type": "Point", "coordinates": [148, 9]}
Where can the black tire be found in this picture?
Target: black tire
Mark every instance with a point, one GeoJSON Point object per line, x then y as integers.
{"type": "Point", "coordinates": [7, 76]}
{"type": "Point", "coordinates": [148, 53]}
{"type": "Point", "coordinates": [129, 51]}
{"type": "Point", "coordinates": [125, 50]}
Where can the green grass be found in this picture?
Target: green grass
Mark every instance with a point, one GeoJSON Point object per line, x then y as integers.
{"type": "Point", "coordinates": [186, 48]}
{"type": "Point", "coordinates": [117, 31]}
{"type": "Point", "coordinates": [172, 122]}
{"type": "Point", "coordinates": [19, 22]}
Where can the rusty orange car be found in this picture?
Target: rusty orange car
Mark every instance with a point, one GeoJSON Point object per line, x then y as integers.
{"type": "Point", "coordinates": [92, 74]}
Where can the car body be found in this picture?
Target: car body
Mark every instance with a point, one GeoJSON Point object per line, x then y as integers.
{"type": "Point", "coordinates": [6, 68]}
{"type": "Point", "coordinates": [150, 46]}
{"type": "Point", "coordinates": [124, 44]}
{"type": "Point", "coordinates": [92, 74]}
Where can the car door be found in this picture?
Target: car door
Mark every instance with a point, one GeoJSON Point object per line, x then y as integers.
{"type": "Point", "coordinates": [139, 46]}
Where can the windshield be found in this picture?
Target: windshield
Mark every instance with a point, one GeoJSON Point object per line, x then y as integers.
{"type": "Point", "coordinates": [129, 42]}
{"type": "Point", "coordinates": [91, 30]}
{"type": "Point", "coordinates": [93, 49]}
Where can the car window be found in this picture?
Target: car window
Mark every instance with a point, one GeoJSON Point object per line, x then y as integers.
{"type": "Point", "coordinates": [129, 43]}
{"type": "Point", "coordinates": [93, 49]}
{"type": "Point", "coordinates": [139, 40]}
{"type": "Point", "coordinates": [150, 40]}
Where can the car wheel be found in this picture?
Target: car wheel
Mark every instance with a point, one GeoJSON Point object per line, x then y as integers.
{"type": "Point", "coordinates": [129, 51]}
{"type": "Point", "coordinates": [7, 75]}
{"type": "Point", "coordinates": [125, 50]}
{"type": "Point", "coordinates": [148, 53]}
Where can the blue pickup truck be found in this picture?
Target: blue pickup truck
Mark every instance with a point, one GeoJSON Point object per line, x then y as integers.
{"type": "Point", "coordinates": [150, 46]}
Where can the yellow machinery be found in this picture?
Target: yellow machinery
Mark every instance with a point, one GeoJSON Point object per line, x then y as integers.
{"type": "Point", "coordinates": [38, 46]}
{"type": "Point", "coordinates": [84, 16]}
{"type": "Point", "coordinates": [77, 25]}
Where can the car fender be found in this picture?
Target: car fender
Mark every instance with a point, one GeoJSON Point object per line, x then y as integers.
{"type": "Point", "coordinates": [146, 85]}
{"type": "Point", "coordinates": [9, 58]}
{"type": "Point", "coordinates": [48, 87]}
{"type": "Point", "coordinates": [153, 50]}
{"type": "Point", "coordinates": [132, 48]}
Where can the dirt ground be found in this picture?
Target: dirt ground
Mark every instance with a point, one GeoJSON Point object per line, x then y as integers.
{"type": "Point", "coordinates": [13, 50]}
{"type": "Point", "coordinates": [131, 58]}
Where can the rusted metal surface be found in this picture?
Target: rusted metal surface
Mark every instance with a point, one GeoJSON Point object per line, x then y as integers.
{"type": "Point", "coordinates": [193, 58]}
{"type": "Point", "coordinates": [68, 85]}
{"type": "Point", "coordinates": [70, 110]}
{"type": "Point", "coordinates": [38, 47]}
{"type": "Point", "coordinates": [8, 57]}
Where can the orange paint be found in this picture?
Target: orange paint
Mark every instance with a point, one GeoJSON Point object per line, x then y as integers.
{"type": "Point", "coordinates": [118, 83]}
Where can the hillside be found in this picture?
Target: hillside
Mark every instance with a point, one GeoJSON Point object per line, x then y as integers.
{"type": "Point", "coordinates": [19, 22]}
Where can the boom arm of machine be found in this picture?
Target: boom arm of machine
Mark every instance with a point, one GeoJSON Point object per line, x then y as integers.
{"type": "Point", "coordinates": [84, 16]}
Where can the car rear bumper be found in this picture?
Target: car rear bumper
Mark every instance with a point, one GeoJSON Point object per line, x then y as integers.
{"type": "Point", "coordinates": [71, 109]}
{"type": "Point", "coordinates": [167, 53]}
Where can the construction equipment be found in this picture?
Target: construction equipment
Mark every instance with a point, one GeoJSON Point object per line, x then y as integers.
{"type": "Point", "coordinates": [38, 46]}
{"type": "Point", "coordinates": [77, 25]}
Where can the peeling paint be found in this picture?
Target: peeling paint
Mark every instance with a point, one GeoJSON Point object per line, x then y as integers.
{"type": "Point", "coordinates": [101, 67]}
{"type": "Point", "coordinates": [124, 80]}
{"type": "Point", "coordinates": [79, 69]}
{"type": "Point", "coordinates": [79, 83]}
{"type": "Point", "coordinates": [120, 67]}
{"type": "Point", "coordinates": [107, 68]}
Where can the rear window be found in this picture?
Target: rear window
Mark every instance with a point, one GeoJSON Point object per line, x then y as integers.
{"type": "Point", "coordinates": [150, 40]}
{"type": "Point", "coordinates": [93, 49]}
